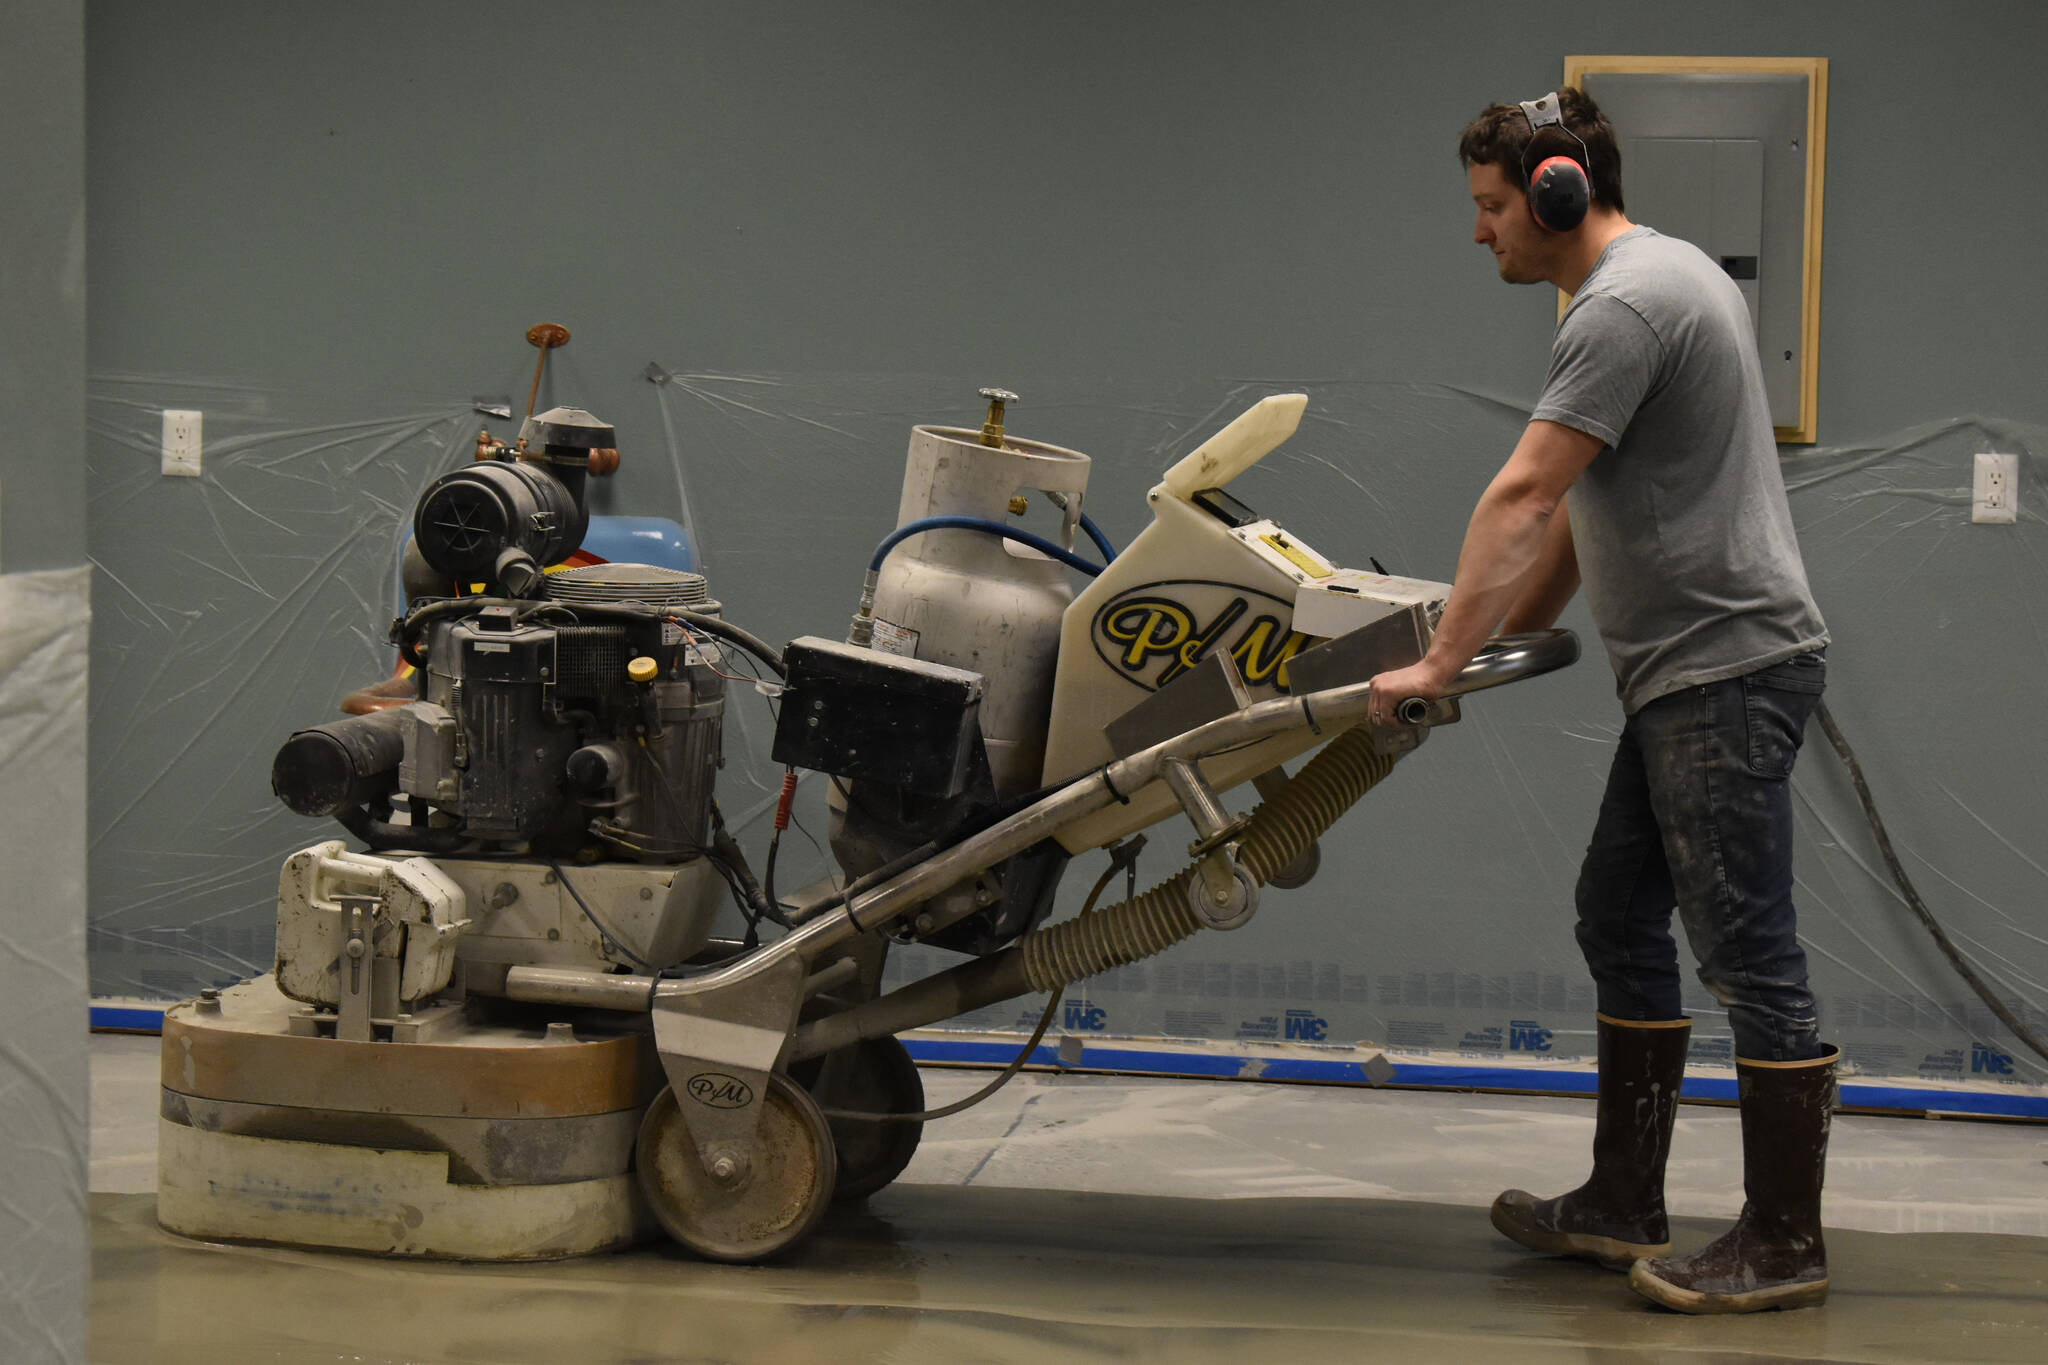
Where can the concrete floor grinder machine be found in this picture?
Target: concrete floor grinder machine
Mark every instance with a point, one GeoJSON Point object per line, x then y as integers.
{"type": "Point", "coordinates": [501, 1026]}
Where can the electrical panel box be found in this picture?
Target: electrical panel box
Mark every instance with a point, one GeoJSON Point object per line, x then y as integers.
{"type": "Point", "coordinates": [1723, 153]}
{"type": "Point", "coordinates": [1710, 191]}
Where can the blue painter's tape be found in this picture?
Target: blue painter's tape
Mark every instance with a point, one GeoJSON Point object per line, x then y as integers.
{"type": "Point", "coordinates": [1172, 1063]}
{"type": "Point", "coordinates": [129, 1018]}
{"type": "Point", "coordinates": [1488, 1078]}
{"type": "Point", "coordinates": [1303, 1069]}
{"type": "Point", "coordinates": [949, 1050]}
{"type": "Point", "coordinates": [1151, 1062]}
{"type": "Point", "coordinates": [1945, 1101]}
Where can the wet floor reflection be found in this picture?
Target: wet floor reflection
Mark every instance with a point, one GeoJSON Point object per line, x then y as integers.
{"type": "Point", "coordinates": [943, 1273]}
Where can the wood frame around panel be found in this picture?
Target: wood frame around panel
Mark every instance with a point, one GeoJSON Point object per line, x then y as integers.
{"type": "Point", "coordinates": [1815, 69]}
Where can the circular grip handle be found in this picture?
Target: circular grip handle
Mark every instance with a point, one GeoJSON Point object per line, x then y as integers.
{"type": "Point", "coordinates": [1505, 659]}
{"type": "Point", "coordinates": [1510, 658]}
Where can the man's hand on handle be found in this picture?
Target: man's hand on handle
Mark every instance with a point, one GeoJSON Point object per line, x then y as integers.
{"type": "Point", "coordinates": [1426, 680]}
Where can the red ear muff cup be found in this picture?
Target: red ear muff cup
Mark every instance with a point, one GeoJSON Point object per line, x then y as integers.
{"type": "Point", "coordinates": [1559, 194]}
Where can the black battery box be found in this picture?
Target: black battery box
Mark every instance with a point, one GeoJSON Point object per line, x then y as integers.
{"type": "Point", "coordinates": [870, 716]}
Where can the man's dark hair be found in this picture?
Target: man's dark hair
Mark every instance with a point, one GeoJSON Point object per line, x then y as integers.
{"type": "Point", "coordinates": [1500, 137]}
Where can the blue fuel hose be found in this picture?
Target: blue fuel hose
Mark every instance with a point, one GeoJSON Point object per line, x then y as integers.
{"type": "Point", "coordinates": [994, 528]}
{"type": "Point", "coordinates": [1101, 540]}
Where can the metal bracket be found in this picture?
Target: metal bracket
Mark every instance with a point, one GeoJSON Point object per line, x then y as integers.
{"type": "Point", "coordinates": [1221, 893]}
{"type": "Point", "coordinates": [1408, 736]}
{"type": "Point", "coordinates": [1212, 688]}
{"type": "Point", "coordinates": [1214, 826]}
{"type": "Point", "coordinates": [719, 1047]}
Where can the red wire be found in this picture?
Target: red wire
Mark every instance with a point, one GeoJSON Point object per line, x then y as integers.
{"type": "Point", "coordinates": [788, 796]}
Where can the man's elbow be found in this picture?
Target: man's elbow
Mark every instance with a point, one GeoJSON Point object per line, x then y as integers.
{"type": "Point", "coordinates": [1528, 500]}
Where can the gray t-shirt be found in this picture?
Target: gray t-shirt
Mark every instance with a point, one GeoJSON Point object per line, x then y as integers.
{"type": "Point", "coordinates": [1684, 539]}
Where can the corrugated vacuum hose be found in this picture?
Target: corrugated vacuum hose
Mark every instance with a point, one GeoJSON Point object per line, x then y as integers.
{"type": "Point", "coordinates": [1327, 786]}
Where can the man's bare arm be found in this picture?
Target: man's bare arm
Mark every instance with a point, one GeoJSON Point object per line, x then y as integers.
{"type": "Point", "coordinates": [1550, 584]}
{"type": "Point", "coordinates": [1506, 538]}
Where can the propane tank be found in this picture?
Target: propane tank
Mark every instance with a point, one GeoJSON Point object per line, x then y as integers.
{"type": "Point", "coordinates": [976, 601]}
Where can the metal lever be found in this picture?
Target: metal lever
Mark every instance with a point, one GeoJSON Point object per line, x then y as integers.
{"type": "Point", "coordinates": [358, 949]}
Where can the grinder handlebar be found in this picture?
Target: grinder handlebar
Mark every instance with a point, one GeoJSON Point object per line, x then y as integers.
{"type": "Point", "coordinates": [1504, 659]}
{"type": "Point", "coordinates": [1412, 711]}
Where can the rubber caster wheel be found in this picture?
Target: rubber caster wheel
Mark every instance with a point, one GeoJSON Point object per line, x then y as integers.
{"type": "Point", "coordinates": [873, 1076]}
{"type": "Point", "coordinates": [769, 1192]}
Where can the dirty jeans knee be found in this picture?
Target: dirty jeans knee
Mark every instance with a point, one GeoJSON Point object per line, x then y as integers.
{"type": "Point", "coordinates": [1719, 761]}
{"type": "Point", "coordinates": [1625, 900]}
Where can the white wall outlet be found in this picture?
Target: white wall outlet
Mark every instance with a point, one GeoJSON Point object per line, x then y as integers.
{"type": "Point", "coordinates": [1995, 490]}
{"type": "Point", "coordinates": [181, 443]}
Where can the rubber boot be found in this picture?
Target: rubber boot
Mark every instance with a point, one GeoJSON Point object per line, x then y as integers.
{"type": "Point", "coordinates": [1617, 1216]}
{"type": "Point", "coordinates": [1774, 1256]}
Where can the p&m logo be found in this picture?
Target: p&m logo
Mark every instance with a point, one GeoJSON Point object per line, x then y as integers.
{"type": "Point", "coordinates": [1153, 633]}
{"type": "Point", "coordinates": [720, 1091]}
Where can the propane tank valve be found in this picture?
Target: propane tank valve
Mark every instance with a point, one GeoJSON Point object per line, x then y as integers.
{"type": "Point", "coordinates": [992, 429]}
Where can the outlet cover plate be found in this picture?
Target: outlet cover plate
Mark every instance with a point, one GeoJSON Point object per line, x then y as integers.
{"type": "Point", "coordinates": [1995, 490]}
{"type": "Point", "coordinates": [181, 443]}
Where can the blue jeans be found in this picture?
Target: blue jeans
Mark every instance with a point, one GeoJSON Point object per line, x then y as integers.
{"type": "Point", "coordinates": [1698, 816]}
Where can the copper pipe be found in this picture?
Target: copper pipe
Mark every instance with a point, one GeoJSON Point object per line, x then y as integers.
{"type": "Point", "coordinates": [547, 336]}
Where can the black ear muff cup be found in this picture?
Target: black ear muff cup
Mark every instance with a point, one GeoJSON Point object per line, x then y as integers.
{"type": "Point", "coordinates": [1559, 194]}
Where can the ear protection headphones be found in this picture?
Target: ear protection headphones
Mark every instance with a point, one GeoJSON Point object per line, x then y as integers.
{"type": "Point", "coordinates": [1559, 191]}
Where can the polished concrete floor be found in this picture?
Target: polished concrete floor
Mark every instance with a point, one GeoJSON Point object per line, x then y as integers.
{"type": "Point", "coordinates": [1075, 1218]}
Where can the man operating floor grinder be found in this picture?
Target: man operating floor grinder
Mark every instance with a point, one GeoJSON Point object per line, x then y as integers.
{"type": "Point", "coordinates": [1655, 420]}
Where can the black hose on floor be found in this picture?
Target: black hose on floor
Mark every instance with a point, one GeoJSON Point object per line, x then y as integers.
{"type": "Point", "coordinates": [1016, 1063]}
{"type": "Point", "coordinates": [1906, 888]}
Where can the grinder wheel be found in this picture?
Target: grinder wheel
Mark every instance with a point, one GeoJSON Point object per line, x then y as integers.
{"type": "Point", "coordinates": [780, 1183]}
{"type": "Point", "coordinates": [873, 1076]}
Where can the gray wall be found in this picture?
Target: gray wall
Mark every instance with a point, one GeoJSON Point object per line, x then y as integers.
{"type": "Point", "coordinates": [44, 596]}
{"type": "Point", "coordinates": [42, 288]}
{"type": "Point", "coordinates": [385, 191]}
{"type": "Point", "coordinates": [833, 221]}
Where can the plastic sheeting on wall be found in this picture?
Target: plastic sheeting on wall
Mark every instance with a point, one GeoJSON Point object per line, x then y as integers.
{"type": "Point", "coordinates": [43, 1127]}
{"type": "Point", "coordinates": [233, 608]}
{"type": "Point", "coordinates": [1441, 920]}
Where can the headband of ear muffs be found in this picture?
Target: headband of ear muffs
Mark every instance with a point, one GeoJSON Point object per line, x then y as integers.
{"type": "Point", "coordinates": [1559, 192]}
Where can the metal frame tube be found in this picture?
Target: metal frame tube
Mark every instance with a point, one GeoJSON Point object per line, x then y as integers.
{"type": "Point", "coordinates": [1330, 709]}
{"type": "Point", "coordinates": [1334, 708]}
{"type": "Point", "coordinates": [579, 986]}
